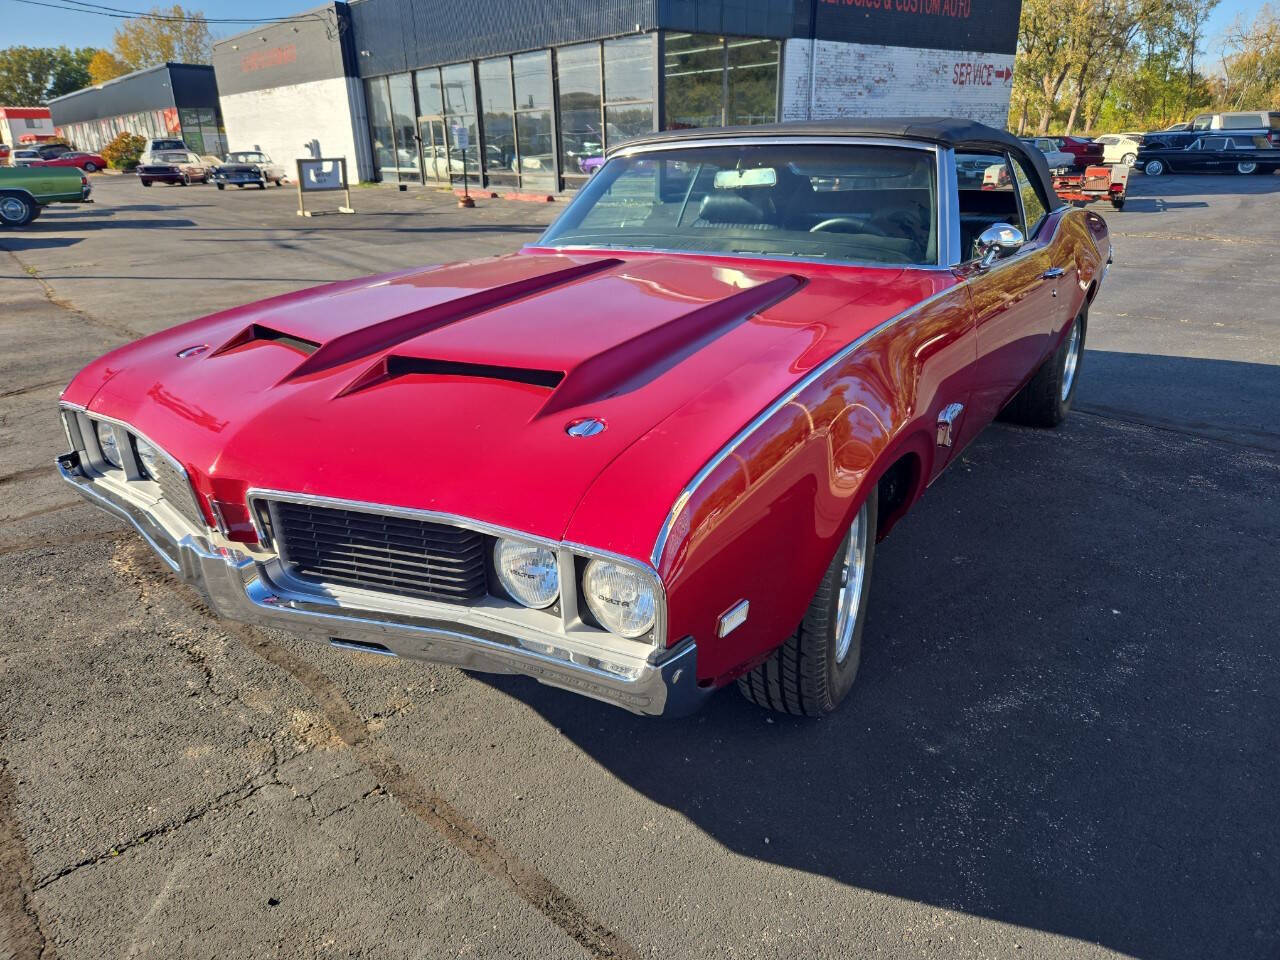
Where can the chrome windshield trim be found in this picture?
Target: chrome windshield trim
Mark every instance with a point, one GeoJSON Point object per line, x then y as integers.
{"type": "Point", "coordinates": [690, 488]}
{"type": "Point", "coordinates": [705, 255]}
{"type": "Point", "coordinates": [940, 221]}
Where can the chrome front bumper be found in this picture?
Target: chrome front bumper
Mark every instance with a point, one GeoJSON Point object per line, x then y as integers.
{"type": "Point", "coordinates": [240, 587]}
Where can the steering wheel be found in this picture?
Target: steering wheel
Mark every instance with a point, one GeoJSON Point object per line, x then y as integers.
{"type": "Point", "coordinates": [848, 225]}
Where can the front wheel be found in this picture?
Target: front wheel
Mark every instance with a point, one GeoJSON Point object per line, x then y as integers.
{"type": "Point", "coordinates": [146, 183]}
{"type": "Point", "coordinates": [815, 667]}
{"type": "Point", "coordinates": [90, 167]}
{"type": "Point", "coordinates": [1246, 167]}
{"type": "Point", "coordinates": [221, 186]}
{"type": "Point", "coordinates": [16, 211]}
{"type": "Point", "coordinates": [1153, 168]}
{"type": "Point", "coordinates": [1046, 399]}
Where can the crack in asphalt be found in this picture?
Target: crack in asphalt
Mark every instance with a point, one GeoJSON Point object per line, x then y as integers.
{"type": "Point", "coordinates": [490, 854]}
{"type": "Point", "coordinates": [24, 936]}
{"type": "Point", "coordinates": [54, 508]}
{"type": "Point", "coordinates": [33, 387]}
{"type": "Point", "coordinates": [26, 474]}
{"type": "Point", "coordinates": [119, 329]}
{"type": "Point", "coordinates": [47, 543]}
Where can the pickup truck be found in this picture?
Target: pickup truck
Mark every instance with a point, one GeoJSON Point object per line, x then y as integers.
{"type": "Point", "coordinates": [25, 191]}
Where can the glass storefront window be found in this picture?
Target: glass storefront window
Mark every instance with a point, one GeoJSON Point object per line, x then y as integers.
{"type": "Point", "coordinates": [430, 94]}
{"type": "Point", "coordinates": [384, 146]}
{"type": "Point", "coordinates": [459, 88]}
{"type": "Point", "coordinates": [499, 120]}
{"type": "Point", "coordinates": [581, 135]}
{"type": "Point", "coordinates": [693, 71]}
{"type": "Point", "coordinates": [752, 81]}
{"type": "Point", "coordinates": [629, 82]}
{"type": "Point", "coordinates": [535, 139]}
{"type": "Point", "coordinates": [404, 119]}
{"type": "Point", "coordinates": [628, 69]}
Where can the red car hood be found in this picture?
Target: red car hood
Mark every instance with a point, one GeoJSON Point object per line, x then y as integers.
{"type": "Point", "coordinates": [451, 388]}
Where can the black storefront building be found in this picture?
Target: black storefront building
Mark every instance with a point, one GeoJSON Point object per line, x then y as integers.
{"type": "Point", "coordinates": [524, 95]}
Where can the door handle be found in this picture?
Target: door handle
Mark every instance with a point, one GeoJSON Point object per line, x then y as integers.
{"type": "Point", "coordinates": [1053, 273]}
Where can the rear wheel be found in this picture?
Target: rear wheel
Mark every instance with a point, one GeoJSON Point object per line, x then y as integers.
{"type": "Point", "coordinates": [815, 667]}
{"type": "Point", "coordinates": [1154, 168]}
{"type": "Point", "coordinates": [146, 183]}
{"type": "Point", "coordinates": [1046, 399]}
{"type": "Point", "coordinates": [16, 210]}
{"type": "Point", "coordinates": [90, 167]}
{"type": "Point", "coordinates": [1129, 159]}
{"type": "Point", "coordinates": [1246, 167]}
{"type": "Point", "coordinates": [221, 186]}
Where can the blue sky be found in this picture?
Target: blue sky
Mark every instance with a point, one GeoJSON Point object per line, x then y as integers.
{"type": "Point", "coordinates": [42, 27]}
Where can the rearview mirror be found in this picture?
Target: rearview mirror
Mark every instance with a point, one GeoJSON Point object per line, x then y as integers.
{"type": "Point", "coordinates": [998, 240]}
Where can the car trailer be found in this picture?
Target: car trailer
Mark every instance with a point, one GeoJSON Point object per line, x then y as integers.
{"type": "Point", "coordinates": [1096, 183]}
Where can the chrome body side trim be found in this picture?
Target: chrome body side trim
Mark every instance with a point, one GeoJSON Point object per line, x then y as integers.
{"type": "Point", "coordinates": [764, 416]}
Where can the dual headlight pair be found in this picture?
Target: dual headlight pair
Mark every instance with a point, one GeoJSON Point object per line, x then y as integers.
{"type": "Point", "coordinates": [623, 599]}
{"type": "Point", "coordinates": [144, 453]}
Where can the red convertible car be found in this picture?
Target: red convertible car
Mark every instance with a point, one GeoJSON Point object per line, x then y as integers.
{"type": "Point", "coordinates": [644, 458]}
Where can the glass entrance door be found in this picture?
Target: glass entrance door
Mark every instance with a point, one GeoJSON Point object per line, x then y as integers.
{"type": "Point", "coordinates": [433, 139]}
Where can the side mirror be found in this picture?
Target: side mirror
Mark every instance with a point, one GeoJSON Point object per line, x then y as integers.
{"type": "Point", "coordinates": [998, 240]}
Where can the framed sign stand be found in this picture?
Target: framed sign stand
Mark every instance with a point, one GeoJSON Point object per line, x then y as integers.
{"type": "Point", "coordinates": [323, 175]}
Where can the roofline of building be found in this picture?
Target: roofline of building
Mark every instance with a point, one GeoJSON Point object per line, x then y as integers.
{"type": "Point", "coordinates": [128, 76]}
{"type": "Point", "coordinates": [267, 26]}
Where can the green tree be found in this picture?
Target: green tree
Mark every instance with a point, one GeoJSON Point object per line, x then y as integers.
{"type": "Point", "coordinates": [168, 34]}
{"type": "Point", "coordinates": [33, 75]}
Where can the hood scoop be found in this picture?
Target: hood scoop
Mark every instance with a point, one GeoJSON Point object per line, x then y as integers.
{"type": "Point", "coordinates": [377, 337]}
{"type": "Point", "coordinates": [257, 333]}
{"type": "Point", "coordinates": [390, 368]}
{"type": "Point", "coordinates": [635, 362]}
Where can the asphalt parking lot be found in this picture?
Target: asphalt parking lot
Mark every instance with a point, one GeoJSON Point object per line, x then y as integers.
{"type": "Point", "coordinates": [1063, 743]}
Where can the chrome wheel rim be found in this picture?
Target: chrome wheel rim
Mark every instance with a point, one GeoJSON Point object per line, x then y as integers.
{"type": "Point", "coordinates": [1071, 362]}
{"type": "Point", "coordinates": [1155, 168]}
{"type": "Point", "coordinates": [1246, 167]}
{"type": "Point", "coordinates": [12, 208]}
{"type": "Point", "coordinates": [853, 570]}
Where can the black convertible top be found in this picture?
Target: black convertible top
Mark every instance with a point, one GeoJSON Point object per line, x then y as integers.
{"type": "Point", "coordinates": [949, 131]}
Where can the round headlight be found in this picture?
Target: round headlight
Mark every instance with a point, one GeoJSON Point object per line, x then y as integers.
{"type": "Point", "coordinates": [146, 457]}
{"type": "Point", "coordinates": [621, 597]}
{"type": "Point", "coordinates": [107, 444]}
{"type": "Point", "coordinates": [527, 571]}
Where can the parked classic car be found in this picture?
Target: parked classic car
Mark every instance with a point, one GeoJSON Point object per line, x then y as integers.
{"type": "Point", "coordinates": [24, 156]}
{"type": "Point", "coordinates": [1055, 158]}
{"type": "Point", "coordinates": [1120, 148]}
{"type": "Point", "coordinates": [1240, 153]}
{"type": "Point", "coordinates": [89, 162]}
{"type": "Point", "coordinates": [644, 458]}
{"type": "Point", "coordinates": [248, 167]}
{"type": "Point", "coordinates": [157, 145]}
{"type": "Point", "coordinates": [25, 191]}
{"type": "Point", "coordinates": [1084, 152]}
{"type": "Point", "coordinates": [175, 167]}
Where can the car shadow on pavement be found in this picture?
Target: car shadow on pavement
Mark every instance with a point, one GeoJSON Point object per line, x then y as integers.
{"type": "Point", "coordinates": [18, 243]}
{"type": "Point", "coordinates": [1199, 185]}
{"type": "Point", "coordinates": [1065, 716]}
{"type": "Point", "coordinates": [65, 224]}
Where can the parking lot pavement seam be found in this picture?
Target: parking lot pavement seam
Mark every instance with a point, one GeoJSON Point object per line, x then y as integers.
{"type": "Point", "coordinates": [120, 329]}
{"type": "Point", "coordinates": [52, 508]}
{"type": "Point", "coordinates": [464, 834]}
{"type": "Point", "coordinates": [20, 924]}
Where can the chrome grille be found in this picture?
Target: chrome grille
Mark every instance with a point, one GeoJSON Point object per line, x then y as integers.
{"type": "Point", "coordinates": [374, 551]}
{"type": "Point", "coordinates": [177, 491]}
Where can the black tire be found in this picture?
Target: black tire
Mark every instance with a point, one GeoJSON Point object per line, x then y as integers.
{"type": "Point", "coordinates": [1246, 168]}
{"type": "Point", "coordinates": [803, 677]}
{"type": "Point", "coordinates": [1043, 402]}
{"type": "Point", "coordinates": [90, 167]}
{"type": "Point", "coordinates": [1154, 168]}
{"type": "Point", "coordinates": [146, 183]}
{"type": "Point", "coordinates": [186, 180]}
{"type": "Point", "coordinates": [1118, 202]}
{"type": "Point", "coordinates": [16, 210]}
{"type": "Point", "coordinates": [239, 186]}
{"type": "Point", "coordinates": [262, 185]}
{"type": "Point", "coordinates": [221, 186]}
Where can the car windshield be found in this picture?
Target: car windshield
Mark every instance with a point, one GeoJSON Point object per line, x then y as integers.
{"type": "Point", "coordinates": [173, 157]}
{"type": "Point", "coordinates": [247, 157]}
{"type": "Point", "coordinates": [167, 145]}
{"type": "Point", "coordinates": [852, 203]}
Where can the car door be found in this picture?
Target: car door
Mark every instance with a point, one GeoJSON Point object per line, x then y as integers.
{"type": "Point", "coordinates": [1015, 300]}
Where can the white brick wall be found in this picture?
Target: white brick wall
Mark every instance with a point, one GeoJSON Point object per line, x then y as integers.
{"type": "Point", "coordinates": [867, 80]}
{"type": "Point", "coordinates": [282, 122]}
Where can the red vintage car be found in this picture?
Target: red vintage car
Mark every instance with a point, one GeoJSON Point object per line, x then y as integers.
{"type": "Point", "coordinates": [644, 458]}
{"type": "Point", "coordinates": [88, 162]}
{"type": "Point", "coordinates": [1086, 152]}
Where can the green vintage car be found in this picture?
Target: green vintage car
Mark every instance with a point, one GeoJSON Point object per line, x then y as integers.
{"type": "Point", "coordinates": [25, 191]}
